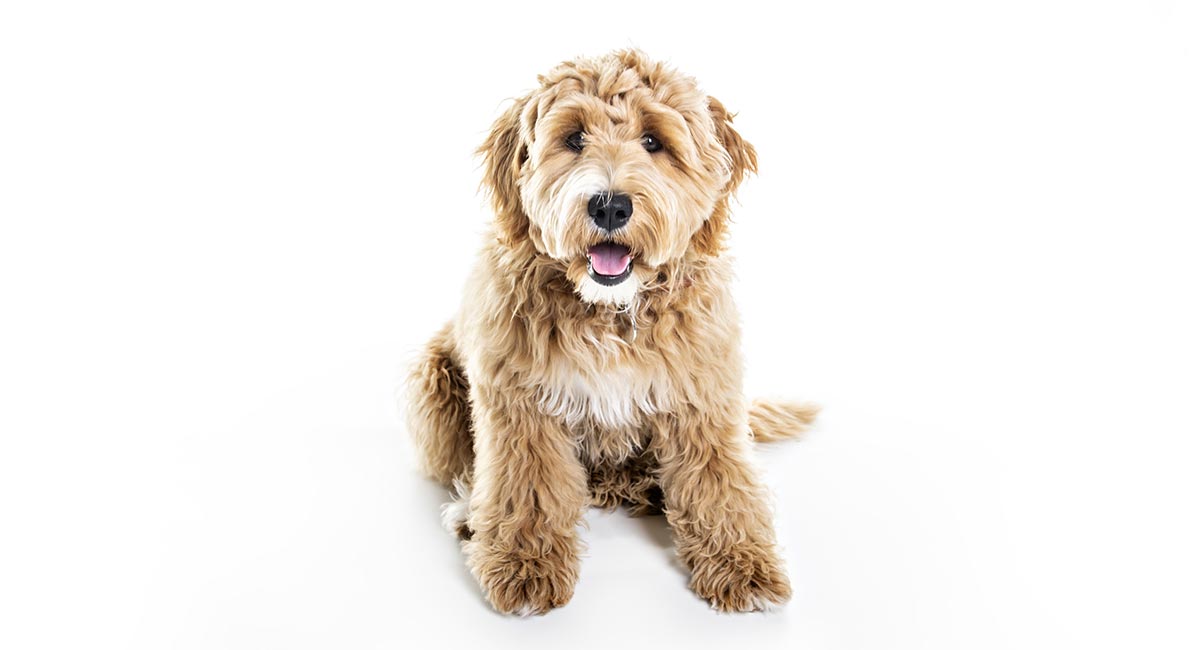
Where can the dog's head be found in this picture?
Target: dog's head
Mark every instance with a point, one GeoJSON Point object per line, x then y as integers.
{"type": "Point", "coordinates": [615, 167]}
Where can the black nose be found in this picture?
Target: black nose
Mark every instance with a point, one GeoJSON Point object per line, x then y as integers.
{"type": "Point", "coordinates": [610, 211]}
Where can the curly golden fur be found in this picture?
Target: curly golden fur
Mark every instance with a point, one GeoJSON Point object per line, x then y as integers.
{"type": "Point", "coordinates": [552, 390]}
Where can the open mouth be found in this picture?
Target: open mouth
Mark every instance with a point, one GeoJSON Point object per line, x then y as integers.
{"type": "Point", "coordinates": [609, 263]}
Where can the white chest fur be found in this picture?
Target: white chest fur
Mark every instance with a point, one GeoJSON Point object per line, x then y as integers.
{"type": "Point", "coordinates": [617, 397]}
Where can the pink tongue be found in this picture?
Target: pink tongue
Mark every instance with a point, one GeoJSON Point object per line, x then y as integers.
{"type": "Point", "coordinates": [609, 258]}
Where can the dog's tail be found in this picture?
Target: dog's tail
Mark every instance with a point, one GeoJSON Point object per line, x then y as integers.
{"type": "Point", "coordinates": [773, 420]}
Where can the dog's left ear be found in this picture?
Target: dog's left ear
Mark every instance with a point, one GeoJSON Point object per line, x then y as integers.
{"type": "Point", "coordinates": [504, 152]}
{"type": "Point", "coordinates": [743, 161]}
{"type": "Point", "coordinates": [742, 156]}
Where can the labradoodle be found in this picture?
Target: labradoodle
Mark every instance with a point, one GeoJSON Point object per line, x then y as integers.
{"type": "Point", "coordinates": [595, 359]}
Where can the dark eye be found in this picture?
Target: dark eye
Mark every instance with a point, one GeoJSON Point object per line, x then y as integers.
{"type": "Point", "coordinates": [651, 143]}
{"type": "Point", "coordinates": [574, 141]}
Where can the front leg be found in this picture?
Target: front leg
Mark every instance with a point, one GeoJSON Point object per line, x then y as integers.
{"type": "Point", "coordinates": [527, 500]}
{"type": "Point", "coordinates": [717, 509]}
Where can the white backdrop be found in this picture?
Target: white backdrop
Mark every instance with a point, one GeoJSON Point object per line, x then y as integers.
{"type": "Point", "coordinates": [974, 240]}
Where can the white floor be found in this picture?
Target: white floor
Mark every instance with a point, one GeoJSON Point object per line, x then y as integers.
{"type": "Point", "coordinates": [973, 240]}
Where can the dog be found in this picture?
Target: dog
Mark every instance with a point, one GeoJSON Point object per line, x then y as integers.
{"type": "Point", "coordinates": [596, 359]}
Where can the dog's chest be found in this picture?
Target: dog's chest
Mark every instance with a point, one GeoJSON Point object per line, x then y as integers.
{"type": "Point", "coordinates": [614, 398]}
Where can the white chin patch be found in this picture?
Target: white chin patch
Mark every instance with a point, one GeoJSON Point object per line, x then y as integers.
{"type": "Point", "coordinates": [619, 294]}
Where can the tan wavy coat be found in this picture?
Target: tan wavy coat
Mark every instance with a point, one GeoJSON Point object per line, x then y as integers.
{"type": "Point", "coordinates": [549, 392]}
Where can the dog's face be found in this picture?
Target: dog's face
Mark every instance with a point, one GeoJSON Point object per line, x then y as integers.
{"type": "Point", "coordinates": [615, 167]}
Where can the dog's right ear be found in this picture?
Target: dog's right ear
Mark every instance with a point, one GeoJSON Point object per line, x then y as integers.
{"type": "Point", "coordinates": [504, 152]}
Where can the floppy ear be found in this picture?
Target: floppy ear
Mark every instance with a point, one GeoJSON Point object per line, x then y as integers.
{"type": "Point", "coordinates": [503, 153]}
{"type": "Point", "coordinates": [742, 156]}
{"type": "Point", "coordinates": [743, 160]}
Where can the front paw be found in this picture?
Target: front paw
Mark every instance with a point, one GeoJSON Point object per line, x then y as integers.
{"type": "Point", "coordinates": [743, 579]}
{"type": "Point", "coordinates": [516, 581]}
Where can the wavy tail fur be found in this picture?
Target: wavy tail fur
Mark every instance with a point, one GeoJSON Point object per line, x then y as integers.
{"type": "Point", "coordinates": [772, 420]}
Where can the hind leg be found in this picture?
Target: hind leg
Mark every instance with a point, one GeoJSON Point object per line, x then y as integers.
{"type": "Point", "coordinates": [439, 414]}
